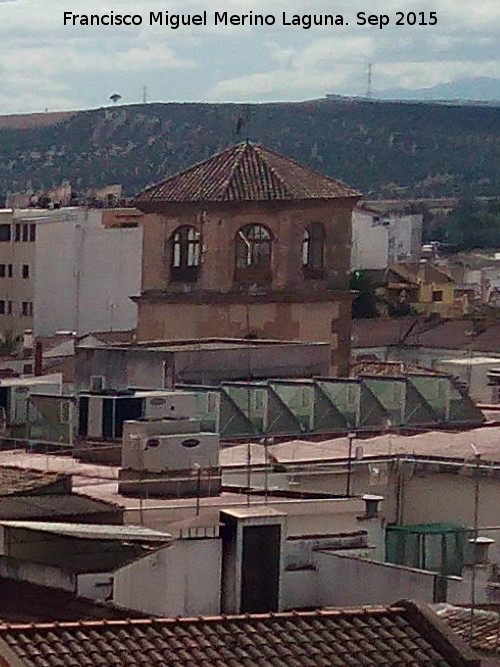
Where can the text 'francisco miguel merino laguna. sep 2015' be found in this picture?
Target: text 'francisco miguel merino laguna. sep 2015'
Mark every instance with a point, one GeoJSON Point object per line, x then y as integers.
{"type": "Point", "coordinates": [251, 19]}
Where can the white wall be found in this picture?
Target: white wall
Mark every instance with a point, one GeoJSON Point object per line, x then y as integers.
{"type": "Point", "coordinates": [37, 573]}
{"type": "Point", "coordinates": [405, 238]}
{"type": "Point", "coordinates": [180, 580]}
{"type": "Point", "coordinates": [351, 581]}
{"type": "Point", "coordinates": [370, 242]}
{"type": "Point", "coordinates": [96, 585]}
{"type": "Point", "coordinates": [379, 240]}
{"type": "Point", "coordinates": [85, 274]}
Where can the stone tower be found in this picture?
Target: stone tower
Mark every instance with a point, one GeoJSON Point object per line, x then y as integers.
{"type": "Point", "coordinates": [248, 244]}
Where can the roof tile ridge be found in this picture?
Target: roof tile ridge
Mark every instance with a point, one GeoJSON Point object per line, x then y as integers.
{"type": "Point", "coordinates": [307, 168]}
{"type": "Point", "coordinates": [261, 153]}
{"type": "Point", "coordinates": [181, 172]}
{"type": "Point", "coordinates": [239, 149]}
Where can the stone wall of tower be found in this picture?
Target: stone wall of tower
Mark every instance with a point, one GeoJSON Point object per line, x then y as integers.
{"type": "Point", "coordinates": [290, 306]}
{"type": "Point", "coordinates": [218, 226]}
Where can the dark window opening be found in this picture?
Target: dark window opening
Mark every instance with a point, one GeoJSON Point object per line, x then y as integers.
{"type": "Point", "coordinates": [32, 232]}
{"type": "Point", "coordinates": [5, 233]}
{"type": "Point", "coordinates": [437, 295]}
{"type": "Point", "coordinates": [253, 253]}
{"type": "Point", "coordinates": [2, 307]}
{"type": "Point", "coordinates": [18, 231]}
{"type": "Point", "coordinates": [185, 259]}
{"type": "Point", "coordinates": [313, 251]}
{"type": "Point", "coordinates": [26, 271]}
{"type": "Point", "coordinates": [26, 309]}
{"type": "Point", "coordinates": [26, 232]}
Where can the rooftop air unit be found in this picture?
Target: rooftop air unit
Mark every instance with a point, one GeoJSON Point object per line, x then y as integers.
{"type": "Point", "coordinates": [183, 451]}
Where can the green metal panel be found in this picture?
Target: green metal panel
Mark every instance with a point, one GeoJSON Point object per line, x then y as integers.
{"type": "Point", "coordinates": [298, 397]}
{"type": "Point", "coordinates": [391, 393]}
{"type": "Point", "coordinates": [418, 412]}
{"type": "Point", "coordinates": [327, 418]}
{"type": "Point", "coordinates": [280, 418]}
{"type": "Point", "coordinates": [371, 410]}
{"type": "Point", "coordinates": [461, 408]}
{"type": "Point", "coordinates": [251, 401]}
{"type": "Point", "coordinates": [345, 397]}
{"type": "Point", "coordinates": [437, 547]}
{"type": "Point", "coordinates": [233, 421]}
{"type": "Point", "coordinates": [434, 389]}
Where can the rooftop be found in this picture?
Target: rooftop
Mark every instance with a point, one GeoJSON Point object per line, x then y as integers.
{"type": "Point", "coordinates": [24, 602]}
{"type": "Point", "coordinates": [485, 626]}
{"type": "Point", "coordinates": [245, 172]}
{"type": "Point", "coordinates": [21, 481]}
{"type": "Point", "coordinates": [455, 334]}
{"type": "Point", "coordinates": [91, 531]}
{"type": "Point", "coordinates": [405, 634]}
{"type": "Point", "coordinates": [62, 506]}
{"type": "Point", "coordinates": [442, 444]}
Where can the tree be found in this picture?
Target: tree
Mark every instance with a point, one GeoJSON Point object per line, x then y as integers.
{"type": "Point", "coordinates": [365, 303]}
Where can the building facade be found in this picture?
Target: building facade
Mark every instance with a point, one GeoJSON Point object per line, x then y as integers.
{"type": "Point", "coordinates": [379, 240]}
{"type": "Point", "coordinates": [88, 264]}
{"type": "Point", "coordinates": [17, 268]}
{"type": "Point", "coordinates": [248, 244]}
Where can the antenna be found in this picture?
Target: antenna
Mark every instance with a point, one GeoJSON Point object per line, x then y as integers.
{"type": "Point", "coordinates": [244, 120]}
{"type": "Point", "coordinates": [144, 94]}
{"type": "Point", "coordinates": [369, 82]}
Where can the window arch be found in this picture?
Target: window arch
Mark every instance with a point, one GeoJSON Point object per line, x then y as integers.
{"type": "Point", "coordinates": [185, 254]}
{"type": "Point", "coordinates": [253, 247]}
{"type": "Point", "coordinates": [313, 250]}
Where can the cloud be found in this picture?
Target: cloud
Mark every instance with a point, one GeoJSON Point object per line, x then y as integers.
{"type": "Point", "coordinates": [43, 63]}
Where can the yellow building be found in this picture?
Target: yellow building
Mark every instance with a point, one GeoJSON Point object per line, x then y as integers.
{"type": "Point", "coordinates": [424, 287]}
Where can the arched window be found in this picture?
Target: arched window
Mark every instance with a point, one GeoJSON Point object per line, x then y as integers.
{"type": "Point", "coordinates": [313, 250]}
{"type": "Point", "coordinates": [253, 247]}
{"type": "Point", "coordinates": [185, 258]}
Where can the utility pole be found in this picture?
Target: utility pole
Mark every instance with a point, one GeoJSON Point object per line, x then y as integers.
{"type": "Point", "coordinates": [144, 95]}
{"type": "Point", "coordinates": [369, 82]}
{"type": "Point", "coordinates": [350, 437]}
{"type": "Point", "coordinates": [477, 457]}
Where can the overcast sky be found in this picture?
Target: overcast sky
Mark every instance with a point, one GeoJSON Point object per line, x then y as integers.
{"type": "Point", "coordinates": [45, 65]}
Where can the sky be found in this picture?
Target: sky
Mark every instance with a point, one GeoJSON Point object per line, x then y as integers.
{"type": "Point", "coordinates": [45, 65]}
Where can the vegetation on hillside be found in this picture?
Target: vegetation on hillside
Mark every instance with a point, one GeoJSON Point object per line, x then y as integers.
{"type": "Point", "coordinates": [472, 224]}
{"type": "Point", "coordinates": [385, 149]}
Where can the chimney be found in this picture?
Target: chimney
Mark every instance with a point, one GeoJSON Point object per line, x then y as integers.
{"type": "Point", "coordinates": [38, 365]}
{"type": "Point", "coordinates": [28, 340]}
{"type": "Point", "coordinates": [371, 505]}
{"type": "Point", "coordinates": [479, 547]}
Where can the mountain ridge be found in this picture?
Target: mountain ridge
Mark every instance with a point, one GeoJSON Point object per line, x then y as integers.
{"type": "Point", "coordinates": [386, 149]}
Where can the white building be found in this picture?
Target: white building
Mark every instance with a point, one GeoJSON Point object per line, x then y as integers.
{"type": "Point", "coordinates": [379, 240]}
{"type": "Point", "coordinates": [88, 264]}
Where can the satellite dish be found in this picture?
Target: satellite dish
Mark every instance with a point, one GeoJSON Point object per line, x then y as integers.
{"type": "Point", "coordinates": [115, 97]}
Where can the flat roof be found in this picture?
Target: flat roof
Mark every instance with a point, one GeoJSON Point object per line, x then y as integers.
{"type": "Point", "coordinates": [92, 531]}
{"type": "Point", "coordinates": [54, 378]}
{"type": "Point", "coordinates": [443, 444]}
{"type": "Point", "coordinates": [206, 345]}
{"type": "Point", "coordinates": [471, 361]}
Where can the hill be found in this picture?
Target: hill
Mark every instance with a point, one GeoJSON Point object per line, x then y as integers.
{"type": "Point", "coordinates": [382, 148]}
{"type": "Point", "coordinates": [481, 89]}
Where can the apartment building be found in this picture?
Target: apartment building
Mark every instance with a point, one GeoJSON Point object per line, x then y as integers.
{"type": "Point", "coordinates": [68, 269]}
{"type": "Point", "coordinates": [17, 268]}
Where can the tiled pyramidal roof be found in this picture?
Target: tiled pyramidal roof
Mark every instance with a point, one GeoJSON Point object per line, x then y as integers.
{"type": "Point", "coordinates": [386, 636]}
{"type": "Point", "coordinates": [245, 172]}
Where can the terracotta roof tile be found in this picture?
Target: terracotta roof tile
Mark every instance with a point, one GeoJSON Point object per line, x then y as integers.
{"type": "Point", "coordinates": [377, 636]}
{"type": "Point", "coordinates": [245, 172]}
{"type": "Point", "coordinates": [485, 635]}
